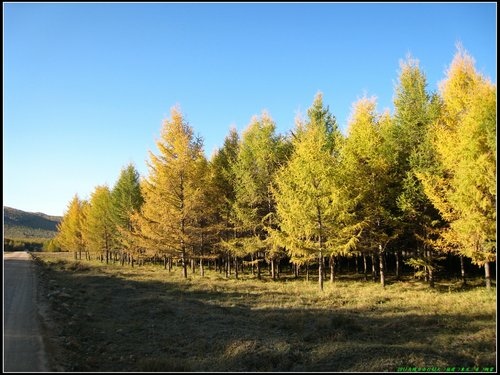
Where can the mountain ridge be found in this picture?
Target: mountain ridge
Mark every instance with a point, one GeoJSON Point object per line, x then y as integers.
{"type": "Point", "coordinates": [23, 224]}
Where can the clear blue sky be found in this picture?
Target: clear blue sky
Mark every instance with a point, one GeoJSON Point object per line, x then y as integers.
{"type": "Point", "coordinates": [87, 85]}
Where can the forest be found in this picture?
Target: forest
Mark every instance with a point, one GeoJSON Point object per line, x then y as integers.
{"type": "Point", "coordinates": [400, 192]}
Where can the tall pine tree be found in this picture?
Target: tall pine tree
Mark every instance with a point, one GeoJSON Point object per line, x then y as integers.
{"type": "Point", "coordinates": [126, 199]}
{"type": "Point", "coordinates": [172, 192]}
{"type": "Point", "coordinates": [463, 187]}
{"type": "Point", "coordinates": [259, 156]}
{"type": "Point", "coordinates": [69, 236]}
{"type": "Point", "coordinates": [365, 174]}
{"type": "Point", "coordinates": [305, 190]}
{"type": "Point", "coordinates": [418, 220]}
{"type": "Point", "coordinates": [99, 228]}
{"type": "Point", "coordinates": [223, 177]}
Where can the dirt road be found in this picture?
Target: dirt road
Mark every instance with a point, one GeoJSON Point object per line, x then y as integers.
{"type": "Point", "coordinates": [23, 345]}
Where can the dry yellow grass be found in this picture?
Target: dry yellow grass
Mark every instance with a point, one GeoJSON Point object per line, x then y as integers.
{"type": "Point", "coordinates": [147, 319]}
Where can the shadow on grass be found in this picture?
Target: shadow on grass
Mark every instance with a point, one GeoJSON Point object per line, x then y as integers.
{"type": "Point", "coordinates": [117, 324]}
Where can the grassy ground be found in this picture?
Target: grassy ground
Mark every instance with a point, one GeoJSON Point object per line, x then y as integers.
{"type": "Point", "coordinates": [112, 318]}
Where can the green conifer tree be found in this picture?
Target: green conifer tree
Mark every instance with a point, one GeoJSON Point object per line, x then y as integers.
{"type": "Point", "coordinates": [417, 219]}
{"type": "Point", "coordinates": [224, 196]}
{"type": "Point", "coordinates": [305, 191]}
{"type": "Point", "coordinates": [259, 155]}
{"type": "Point", "coordinates": [126, 199]}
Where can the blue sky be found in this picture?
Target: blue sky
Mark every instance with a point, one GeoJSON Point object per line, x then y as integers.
{"type": "Point", "coordinates": [87, 85]}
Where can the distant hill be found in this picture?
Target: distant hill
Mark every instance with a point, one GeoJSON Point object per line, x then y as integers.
{"type": "Point", "coordinates": [21, 224]}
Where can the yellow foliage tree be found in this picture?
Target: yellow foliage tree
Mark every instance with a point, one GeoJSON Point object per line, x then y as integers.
{"type": "Point", "coordinates": [99, 229]}
{"type": "Point", "coordinates": [364, 172]}
{"type": "Point", "coordinates": [463, 188]}
{"type": "Point", "coordinates": [69, 236]}
{"type": "Point", "coordinates": [172, 192]}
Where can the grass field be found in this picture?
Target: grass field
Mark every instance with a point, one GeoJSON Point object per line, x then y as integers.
{"type": "Point", "coordinates": [118, 318]}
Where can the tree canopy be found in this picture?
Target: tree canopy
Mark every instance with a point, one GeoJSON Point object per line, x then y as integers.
{"type": "Point", "coordinates": [415, 184]}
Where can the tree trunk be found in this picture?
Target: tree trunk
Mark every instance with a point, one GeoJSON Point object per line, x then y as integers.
{"type": "Point", "coordinates": [431, 278]}
{"type": "Point", "coordinates": [365, 267]}
{"type": "Point", "coordinates": [236, 267]}
{"type": "Point", "coordinates": [323, 263]}
{"type": "Point", "coordinates": [374, 270]}
{"type": "Point", "coordinates": [307, 271]}
{"type": "Point", "coordinates": [332, 268]}
{"type": "Point", "coordinates": [487, 275]}
{"type": "Point", "coordinates": [462, 271]}
{"type": "Point", "coordinates": [381, 265]}
{"type": "Point", "coordinates": [258, 268]}
{"type": "Point", "coordinates": [397, 265]}
{"type": "Point", "coordinates": [202, 271]}
{"type": "Point", "coordinates": [320, 257]}
{"type": "Point", "coordinates": [184, 263]}
{"type": "Point", "coordinates": [273, 270]}
{"type": "Point", "coordinates": [430, 268]}
{"type": "Point", "coordinates": [320, 270]}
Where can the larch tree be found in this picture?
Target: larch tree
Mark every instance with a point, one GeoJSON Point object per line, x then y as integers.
{"type": "Point", "coordinates": [305, 190]}
{"type": "Point", "coordinates": [204, 229]}
{"type": "Point", "coordinates": [414, 111]}
{"type": "Point", "coordinates": [126, 199]}
{"type": "Point", "coordinates": [463, 188]}
{"type": "Point", "coordinates": [365, 166]}
{"type": "Point", "coordinates": [69, 236]}
{"type": "Point", "coordinates": [259, 156]}
{"type": "Point", "coordinates": [99, 228]}
{"type": "Point", "coordinates": [222, 178]}
{"type": "Point", "coordinates": [172, 192]}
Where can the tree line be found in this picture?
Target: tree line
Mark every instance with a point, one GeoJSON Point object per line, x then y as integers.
{"type": "Point", "coordinates": [409, 186]}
